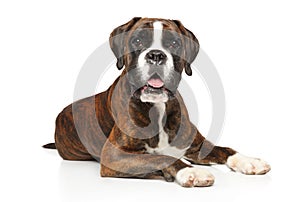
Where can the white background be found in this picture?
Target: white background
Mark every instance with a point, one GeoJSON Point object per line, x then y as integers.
{"type": "Point", "coordinates": [255, 46]}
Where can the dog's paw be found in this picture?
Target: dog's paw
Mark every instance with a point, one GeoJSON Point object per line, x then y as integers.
{"type": "Point", "coordinates": [247, 165]}
{"type": "Point", "coordinates": [194, 177]}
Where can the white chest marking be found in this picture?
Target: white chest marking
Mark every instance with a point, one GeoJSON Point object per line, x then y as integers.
{"type": "Point", "coordinates": [163, 146]}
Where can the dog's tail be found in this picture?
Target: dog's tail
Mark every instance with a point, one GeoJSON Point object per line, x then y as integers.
{"type": "Point", "coordinates": [49, 146]}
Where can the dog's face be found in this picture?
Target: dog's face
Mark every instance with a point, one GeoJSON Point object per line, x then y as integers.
{"type": "Point", "coordinates": [154, 53]}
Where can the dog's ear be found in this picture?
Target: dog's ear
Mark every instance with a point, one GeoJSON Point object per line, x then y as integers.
{"type": "Point", "coordinates": [191, 47]}
{"type": "Point", "coordinates": [117, 40]}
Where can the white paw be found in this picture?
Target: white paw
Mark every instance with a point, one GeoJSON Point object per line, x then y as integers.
{"type": "Point", "coordinates": [247, 165]}
{"type": "Point", "coordinates": [194, 177]}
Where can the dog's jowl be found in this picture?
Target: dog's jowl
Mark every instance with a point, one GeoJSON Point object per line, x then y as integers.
{"type": "Point", "coordinates": [140, 127]}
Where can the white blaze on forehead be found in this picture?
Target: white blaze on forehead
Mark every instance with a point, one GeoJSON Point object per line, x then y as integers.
{"type": "Point", "coordinates": [144, 67]}
{"type": "Point", "coordinates": [157, 35]}
{"type": "Point", "coordinates": [157, 45]}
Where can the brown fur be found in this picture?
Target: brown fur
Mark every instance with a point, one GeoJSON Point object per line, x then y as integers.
{"type": "Point", "coordinates": [123, 154]}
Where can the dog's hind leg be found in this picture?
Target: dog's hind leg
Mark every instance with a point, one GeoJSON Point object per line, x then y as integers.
{"type": "Point", "coordinates": [67, 141]}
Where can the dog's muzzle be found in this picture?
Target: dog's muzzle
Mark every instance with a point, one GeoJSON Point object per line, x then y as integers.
{"type": "Point", "coordinates": [154, 90]}
{"type": "Point", "coordinates": [156, 57]}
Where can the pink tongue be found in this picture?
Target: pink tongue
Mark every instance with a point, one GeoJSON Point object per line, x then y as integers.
{"type": "Point", "coordinates": [156, 83]}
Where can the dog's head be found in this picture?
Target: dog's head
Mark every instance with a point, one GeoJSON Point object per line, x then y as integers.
{"type": "Point", "coordinates": [154, 53]}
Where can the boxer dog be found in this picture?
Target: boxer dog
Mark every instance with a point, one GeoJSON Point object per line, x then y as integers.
{"type": "Point", "coordinates": [139, 127]}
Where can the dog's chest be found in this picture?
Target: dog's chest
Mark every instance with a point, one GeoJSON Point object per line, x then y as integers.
{"type": "Point", "coordinates": [163, 147]}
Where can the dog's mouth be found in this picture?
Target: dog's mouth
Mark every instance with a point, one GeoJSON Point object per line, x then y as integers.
{"type": "Point", "coordinates": [154, 90]}
{"type": "Point", "coordinates": [155, 85]}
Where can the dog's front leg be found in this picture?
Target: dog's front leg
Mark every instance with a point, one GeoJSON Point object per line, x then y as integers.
{"type": "Point", "coordinates": [117, 162]}
{"type": "Point", "coordinates": [204, 152]}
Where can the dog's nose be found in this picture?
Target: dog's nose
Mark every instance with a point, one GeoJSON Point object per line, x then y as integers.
{"type": "Point", "coordinates": [156, 57]}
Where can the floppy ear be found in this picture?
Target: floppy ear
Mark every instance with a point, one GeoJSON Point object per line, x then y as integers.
{"type": "Point", "coordinates": [191, 47]}
{"type": "Point", "coordinates": [117, 39]}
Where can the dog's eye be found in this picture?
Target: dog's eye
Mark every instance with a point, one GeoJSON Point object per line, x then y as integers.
{"type": "Point", "coordinates": [174, 44]}
{"type": "Point", "coordinates": [137, 42]}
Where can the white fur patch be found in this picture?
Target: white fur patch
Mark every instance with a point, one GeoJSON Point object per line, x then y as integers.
{"type": "Point", "coordinates": [194, 177]}
{"type": "Point", "coordinates": [157, 35]}
{"type": "Point", "coordinates": [163, 146]}
{"type": "Point", "coordinates": [154, 98]}
{"type": "Point", "coordinates": [157, 45]}
{"type": "Point", "coordinates": [143, 66]}
{"type": "Point", "coordinates": [247, 165]}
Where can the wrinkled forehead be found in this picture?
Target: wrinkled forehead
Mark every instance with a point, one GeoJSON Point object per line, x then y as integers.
{"type": "Point", "coordinates": [153, 26]}
{"type": "Point", "coordinates": [149, 23]}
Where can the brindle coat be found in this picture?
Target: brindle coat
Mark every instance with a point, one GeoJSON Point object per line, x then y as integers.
{"type": "Point", "coordinates": [123, 154]}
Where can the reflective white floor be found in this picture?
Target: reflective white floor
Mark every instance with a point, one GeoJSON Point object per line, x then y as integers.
{"type": "Point", "coordinates": [80, 181]}
{"type": "Point", "coordinates": [46, 177]}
